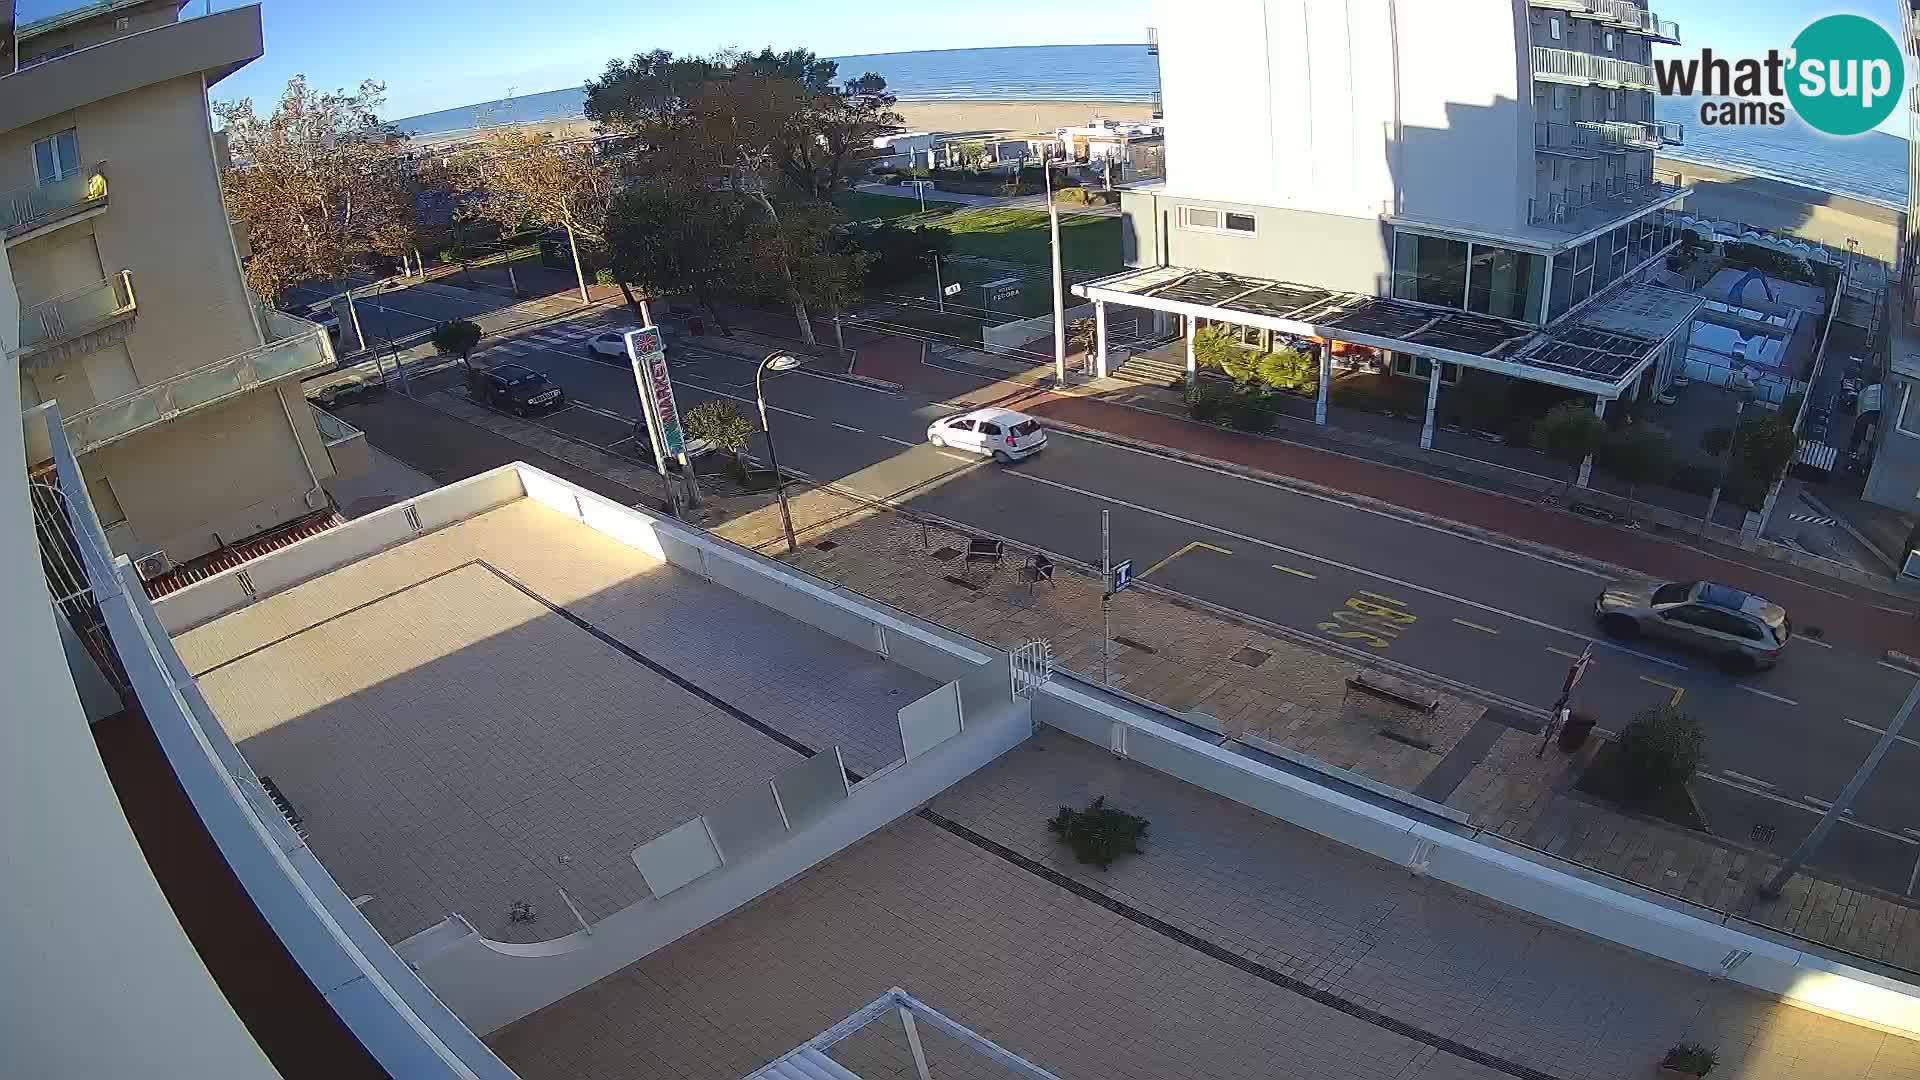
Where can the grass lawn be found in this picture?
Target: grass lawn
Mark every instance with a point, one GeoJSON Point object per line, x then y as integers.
{"type": "Point", "coordinates": [1602, 778]}
{"type": "Point", "coordinates": [1087, 241]}
{"type": "Point", "coordinates": [865, 205]}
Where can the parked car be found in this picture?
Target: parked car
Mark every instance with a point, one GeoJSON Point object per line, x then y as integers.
{"type": "Point", "coordinates": [610, 345]}
{"type": "Point", "coordinates": [519, 390]}
{"type": "Point", "coordinates": [324, 315]}
{"type": "Point", "coordinates": [1743, 630]}
{"type": "Point", "coordinates": [346, 392]}
{"type": "Point", "coordinates": [1001, 434]}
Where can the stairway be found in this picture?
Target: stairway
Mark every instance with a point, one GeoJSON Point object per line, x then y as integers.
{"type": "Point", "coordinates": [1149, 370]}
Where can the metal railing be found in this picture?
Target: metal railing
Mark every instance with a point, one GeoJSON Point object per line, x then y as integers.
{"type": "Point", "coordinates": [72, 314]}
{"type": "Point", "coordinates": [1669, 132]}
{"type": "Point", "coordinates": [1565, 65]}
{"type": "Point", "coordinates": [25, 207]}
{"type": "Point", "coordinates": [1622, 135]}
{"type": "Point", "coordinates": [1585, 206]}
{"type": "Point", "coordinates": [1574, 140]}
{"type": "Point", "coordinates": [332, 429]}
{"type": "Point", "coordinates": [1621, 13]}
{"type": "Point", "coordinates": [156, 403]}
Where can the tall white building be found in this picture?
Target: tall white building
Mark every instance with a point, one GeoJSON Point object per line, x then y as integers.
{"type": "Point", "coordinates": [1454, 184]}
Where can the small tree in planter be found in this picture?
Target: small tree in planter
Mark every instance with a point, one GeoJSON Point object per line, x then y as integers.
{"type": "Point", "coordinates": [1099, 834]}
{"type": "Point", "coordinates": [1081, 334]}
{"type": "Point", "coordinates": [457, 337]}
{"type": "Point", "coordinates": [1689, 1059]}
{"type": "Point", "coordinates": [1661, 749]}
{"type": "Point", "coordinates": [1568, 434]}
{"type": "Point", "coordinates": [719, 423]}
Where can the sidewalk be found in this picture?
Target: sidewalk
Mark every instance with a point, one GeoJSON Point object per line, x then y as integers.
{"type": "Point", "coordinates": [1844, 612]}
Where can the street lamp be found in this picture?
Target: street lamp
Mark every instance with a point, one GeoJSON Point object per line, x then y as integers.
{"type": "Point", "coordinates": [1059, 302]}
{"type": "Point", "coordinates": [777, 361]}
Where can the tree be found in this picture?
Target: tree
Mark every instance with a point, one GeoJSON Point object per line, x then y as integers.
{"type": "Point", "coordinates": [1637, 454]}
{"type": "Point", "coordinates": [318, 182]}
{"type": "Point", "coordinates": [1082, 335]}
{"type": "Point", "coordinates": [668, 238]}
{"type": "Point", "coordinates": [1715, 441]}
{"type": "Point", "coordinates": [523, 177]}
{"type": "Point", "coordinates": [835, 125]}
{"type": "Point", "coordinates": [900, 252]}
{"type": "Point", "coordinates": [1569, 434]}
{"type": "Point", "coordinates": [724, 426]}
{"type": "Point", "coordinates": [457, 337]}
{"type": "Point", "coordinates": [1661, 749]}
{"type": "Point", "coordinates": [1763, 447]}
{"type": "Point", "coordinates": [1289, 369]}
{"type": "Point", "coordinates": [826, 261]}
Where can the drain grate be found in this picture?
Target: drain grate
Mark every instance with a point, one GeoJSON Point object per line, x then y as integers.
{"type": "Point", "coordinates": [826, 545]}
{"type": "Point", "coordinates": [1763, 834]}
{"type": "Point", "coordinates": [946, 553]}
{"type": "Point", "coordinates": [1252, 657]}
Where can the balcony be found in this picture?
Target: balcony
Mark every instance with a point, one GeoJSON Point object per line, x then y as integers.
{"type": "Point", "coordinates": [110, 421]}
{"type": "Point", "coordinates": [1567, 140]}
{"type": "Point", "coordinates": [32, 210]}
{"type": "Point", "coordinates": [1620, 136]}
{"type": "Point", "coordinates": [53, 328]}
{"type": "Point", "coordinates": [1619, 13]}
{"type": "Point", "coordinates": [1586, 69]}
{"type": "Point", "coordinates": [1593, 206]}
{"type": "Point", "coordinates": [346, 444]}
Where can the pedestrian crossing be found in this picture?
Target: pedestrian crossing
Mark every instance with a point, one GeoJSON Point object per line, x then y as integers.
{"type": "Point", "coordinates": [560, 336]}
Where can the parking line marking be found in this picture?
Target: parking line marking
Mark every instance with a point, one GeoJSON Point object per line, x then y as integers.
{"type": "Point", "coordinates": [1565, 653]}
{"type": "Point", "coordinates": [1765, 694]}
{"type": "Point", "coordinates": [1882, 731]}
{"type": "Point", "coordinates": [847, 427]}
{"type": "Point", "coordinates": [1382, 599]}
{"type": "Point", "coordinates": [1376, 575]}
{"type": "Point", "coordinates": [1476, 626]}
{"type": "Point", "coordinates": [1798, 805]}
{"type": "Point", "coordinates": [1291, 570]}
{"type": "Point", "coordinates": [1177, 554]}
{"type": "Point", "coordinates": [1749, 779]}
{"type": "Point", "coordinates": [1678, 691]}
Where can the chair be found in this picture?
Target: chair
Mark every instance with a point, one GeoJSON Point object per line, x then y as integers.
{"type": "Point", "coordinates": [1039, 568]}
{"type": "Point", "coordinates": [984, 553]}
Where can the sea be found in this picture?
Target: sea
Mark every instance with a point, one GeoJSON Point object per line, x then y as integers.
{"type": "Point", "coordinates": [1871, 166]}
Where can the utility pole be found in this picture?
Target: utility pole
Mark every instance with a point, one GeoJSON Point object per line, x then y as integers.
{"type": "Point", "coordinates": [1106, 604]}
{"type": "Point", "coordinates": [1059, 302]}
{"type": "Point", "coordinates": [939, 287]}
{"type": "Point", "coordinates": [579, 274]}
{"type": "Point", "coordinates": [1779, 880]}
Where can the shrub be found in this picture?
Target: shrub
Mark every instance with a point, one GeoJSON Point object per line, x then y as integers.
{"type": "Point", "coordinates": [1661, 749]}
{"type": "Point", "coordinates": [1205, 401]}
{"type": "Point", "coordinates": [1289, 369]}
{"type": "Point", "coordinates": [604, 276]}
{"type": "Point", "coordinates": [1073, 195]}
{"type": "Point", "coordinates": [456, 337]}
{"type": "Point", "coordinates": [1250, 412]}
{"type": "Point", "coordinates": [1691, 1058]}
{"type": "Point", "coordinates": [1099, 834]}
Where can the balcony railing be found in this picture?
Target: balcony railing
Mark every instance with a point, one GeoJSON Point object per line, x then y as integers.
{"type": "Point", "coordinates": [81, 311]}
{"type": "Point", "coordinates": [332, 429]}
{"type": "Point", "coordinates": [1622, 135]}
{"type": "Point", "coordinates": [1669, 132]}
{"type": "Point", "coordinates": [1590, 206]}
{"type": "Point", "coordinates": [1620, 13]}
{"type": "Point", "coordinates": [25, 209]}
{"type": "Point", "coordinates": [1565, 65]}
{"type": "Point", "coordinates": [157, 403]}
{"type": "Point", "coordinates": [1567, 140]}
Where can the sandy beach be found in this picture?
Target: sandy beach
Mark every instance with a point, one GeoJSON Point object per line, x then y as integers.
{"type": "Point", "coordinates": [1013, 117]}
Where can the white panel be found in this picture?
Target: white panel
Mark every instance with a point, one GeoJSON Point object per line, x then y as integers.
{"type": "Point", "coordinates": [930, 721]}
{"type": "Point", "coordinates": [474, 495]}
{"type": "Point", "coordinates": [746, 824]}
{"type": "Point", "coordinates": [672, 859]}
{"type": "Point", "coordinates": [812, 787]}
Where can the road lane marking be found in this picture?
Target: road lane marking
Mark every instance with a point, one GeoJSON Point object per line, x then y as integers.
{"type": "Point", "coordinates": [1678, 691]}
{"type": "Point", "coordinates": [1803, 639]}
{"type": "Point", "coordinates": [1382, 599]}
{"type": "Point", "coordinates": [598, 411]}
{"type": "Point", "coordinates": [1749, 779]}
{"type": "Point", "coordinates": [1812, 801]}
{"type": "Point", "coordinates": [847, 427]}
{"type": "Point", "coordinates": [1476, 626]}
{"type": "Point", "coordinates": [1295, 573]}
{"type": "Point", "coordinates": [1565, 653]}
{"type": "Point", "coordinates": [1270, 545]}
{"type": "Point", "coordinates": [1896, 667]}
{"type": "Point", "coordinates": [891, 439]}
{"type": "Point", "coordinates": [705, 389]}
{"type": "Point", "coordinates": [1882, 731]}
{"type": "Point", "coordinates": [1798, 805]}
{"type": "Point", "coordinates": [1765, 694]}
{"type": "Point", "coordinates": [1196, 544]}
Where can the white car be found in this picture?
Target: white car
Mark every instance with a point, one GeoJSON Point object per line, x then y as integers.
{"type": "Point", "coordinates": [1002, 434]}
{"type": "Point", "coordinates": [610, 345]}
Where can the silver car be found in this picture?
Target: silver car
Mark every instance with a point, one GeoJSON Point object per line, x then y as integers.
{"type": "Point", "coordinates": [1745, 631]}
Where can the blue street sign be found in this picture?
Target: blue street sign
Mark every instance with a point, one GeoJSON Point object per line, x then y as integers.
{"type": "Point", "coordinates": [1122, 577]}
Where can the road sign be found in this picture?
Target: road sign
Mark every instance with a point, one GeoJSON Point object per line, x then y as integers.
{"type": "Point", "coordinates": [1122, 577]}
{"type": "Point", "coordinates": [648, 354]}
{"type": "Point", "coordinates": [953, 289]}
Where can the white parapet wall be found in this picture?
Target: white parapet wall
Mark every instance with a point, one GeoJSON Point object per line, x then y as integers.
{"type": "Point", "coordinates": [1007, 337]}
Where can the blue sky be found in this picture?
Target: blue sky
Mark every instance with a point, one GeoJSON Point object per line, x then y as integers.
{"type": "Point", "coordinates": [436, 54]}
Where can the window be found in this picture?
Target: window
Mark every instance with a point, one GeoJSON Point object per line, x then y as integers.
{"type": "Point", "coordinates": [989, 429]}
{"type": "Point", "coordinates": [1430, 269]}
{"type": "Point", "coordinates": [961, 425]}
{"type": "Point", "coordinates": [41, 58]}
{"type": "Point", "coordinates": [1559, 97]}
{"type": "Point", "coordinates": [1582, 273]}
{"type": "Point", "coordinates": [1673, 592]}
{"type": "Point", "coordinates": [1504, 283]}
{"type": "Point", "coordinates": [1553, 27]}
{"type": "Point", "coordinates": [1609, 41]}
{"type": "Point", "coordinates": [1556, 168]}
{"type": "Point", "coordinates": [1205, 219]}
{"type": "Point", "coordinates": [56, 157]}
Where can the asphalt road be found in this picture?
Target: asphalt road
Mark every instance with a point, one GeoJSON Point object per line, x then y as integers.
{"type": "Point", "coordinates": [1493, 620]}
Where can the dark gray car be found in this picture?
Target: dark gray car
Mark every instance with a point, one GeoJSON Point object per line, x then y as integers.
{"type": "Point", "coordinates": [1743, 630]}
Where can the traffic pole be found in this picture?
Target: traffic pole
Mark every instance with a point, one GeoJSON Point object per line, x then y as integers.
{"type": "Point", "coordinates": [1106, 603]}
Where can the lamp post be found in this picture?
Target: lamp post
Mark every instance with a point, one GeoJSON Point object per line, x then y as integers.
{"type": "Point", "coordinates": [1059, 302]}
{"type": "Point", "coordinates": [777, 361]}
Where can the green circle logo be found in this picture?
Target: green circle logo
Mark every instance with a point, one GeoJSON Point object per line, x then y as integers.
{"type": "Point", "coordinates": [1847, 74]}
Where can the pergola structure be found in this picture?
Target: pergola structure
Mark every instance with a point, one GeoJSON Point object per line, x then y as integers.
{"type": "Point", "coordinates": [1606, 363]}
{"type": "Point", "coordinates": [811, 1061]}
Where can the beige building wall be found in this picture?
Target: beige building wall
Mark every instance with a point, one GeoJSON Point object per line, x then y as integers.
{"type": "Point", "coordinates": [140, 16]}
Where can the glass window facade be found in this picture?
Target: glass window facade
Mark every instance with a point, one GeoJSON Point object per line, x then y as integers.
{"type": "Point", "coordinates": [1505, 283]}
{"type": "Point", "coordinates": [1430, 269]}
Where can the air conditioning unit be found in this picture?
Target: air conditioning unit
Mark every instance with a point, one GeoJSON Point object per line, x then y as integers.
{"type": "Point", "coordinates": [152, 565]}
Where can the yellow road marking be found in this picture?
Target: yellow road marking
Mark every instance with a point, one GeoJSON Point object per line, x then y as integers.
{"type": "Point", "coordinates": [1382, 599]}
{"type": "Point", "coordinates": [1476, 626]}
{"type": "Point", "coordinates": [1291, 570]}
{"type": "Point", "coordinates": [1177, 554]}
{"type": "Point", "coordinates": [1563, 652]}
{"type": "Point", "coordinates": [1678, 691]}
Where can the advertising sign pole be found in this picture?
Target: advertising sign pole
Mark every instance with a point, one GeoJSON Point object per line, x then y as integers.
{"type": "Point", "coordinates": [647, 353]}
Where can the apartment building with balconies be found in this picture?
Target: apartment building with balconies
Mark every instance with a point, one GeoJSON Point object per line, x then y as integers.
{"type": "Point", "coordinates": [179, 388]}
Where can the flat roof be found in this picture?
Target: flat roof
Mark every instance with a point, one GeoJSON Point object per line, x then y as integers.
{"type": "Point", "coordinates": [1583, 358]}
{"type": "Point", "coordinates": [1648, 311]}
{"type": "Point", "coordinates": [508, 706]}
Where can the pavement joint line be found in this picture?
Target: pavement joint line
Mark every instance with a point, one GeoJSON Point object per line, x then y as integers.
{"type": "Point", "coordinates": [1798, 805]}
{"type": "Point", "coordinates": [1382, 598]}
{"type": "Point", "coordinates": [1882, 731]}
{"type": "Point", "coordinates": [1354, 569]}
{"type": "Point", "coordinates": [1767, 694]}
{"type": "Point", "coordinates": [1476, 626]}
{"type": "Point", "coordinates": [1197, 544]}
{"type": "Point", "coordinates": [1678, 691]}
{"type": "Point", "coordinates": [1749, 779]}
{"type": "Point", "coordinates": [1295, 573]}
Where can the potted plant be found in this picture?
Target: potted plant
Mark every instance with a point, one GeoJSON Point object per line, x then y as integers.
{"type": "Point", "coordinates": [1099, 834]}
{"type": "Point", "coordinates": [1688, 1059]}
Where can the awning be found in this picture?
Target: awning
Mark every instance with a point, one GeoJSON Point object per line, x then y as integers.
{"type": "Point", "coordinates": [1585, 358]}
